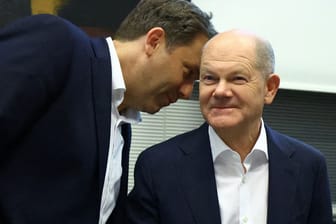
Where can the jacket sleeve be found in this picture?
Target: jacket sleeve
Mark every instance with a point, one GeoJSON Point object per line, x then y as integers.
{"type": "Point", "coordinates": [321, 209]}
{"type": "Point", "coordinates": [34, 59]}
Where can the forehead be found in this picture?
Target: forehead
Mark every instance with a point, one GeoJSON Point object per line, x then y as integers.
{"type": "Point", "coordinates": [229, 51]}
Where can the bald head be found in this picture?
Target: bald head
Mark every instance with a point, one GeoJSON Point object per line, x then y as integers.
{"type": "Point", "coordinates": [239, 43]}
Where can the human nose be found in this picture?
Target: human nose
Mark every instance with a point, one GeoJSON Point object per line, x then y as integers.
{"type": "Point", "coordinates": [223, 89]}
{"type": "Point", "coordinates": [185, 90]}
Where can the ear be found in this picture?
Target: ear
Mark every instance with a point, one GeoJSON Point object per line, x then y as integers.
{"type": "Point", "coordinates": [271, 88]}
{"type": "Point", "coordinates": [155, 37]}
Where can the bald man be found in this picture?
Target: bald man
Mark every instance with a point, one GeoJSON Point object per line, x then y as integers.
{"type": "Point", "coordinates": [234, 168]}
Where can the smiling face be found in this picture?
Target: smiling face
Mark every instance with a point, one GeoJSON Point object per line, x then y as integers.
{"type": "Point", "coordinates": [232, 91]}
{"type": "Point", "coordinates": [169, 75]}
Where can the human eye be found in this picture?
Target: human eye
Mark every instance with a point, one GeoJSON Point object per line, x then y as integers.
{"type": "Point", "coordinates": [208, 79]}
{"type": "Point", "coordinates": [239, 79]}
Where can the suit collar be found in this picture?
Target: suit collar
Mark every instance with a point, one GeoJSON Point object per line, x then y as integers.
{"type": "Point", "coordinates": [283, 176]}
{"type": "Point", "coordinates": [101, 80]}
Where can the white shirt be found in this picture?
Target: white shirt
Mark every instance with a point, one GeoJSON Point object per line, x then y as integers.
{"type": "Point", "coordinates": [242, 196]}
{"type": "Point", "coordinates": [114, 169]}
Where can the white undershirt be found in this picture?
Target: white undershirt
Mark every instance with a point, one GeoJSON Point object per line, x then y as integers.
{"type": "Point", "coordinates": [242, 196]}
{"type": "Point", "coordinates": [114, 169]}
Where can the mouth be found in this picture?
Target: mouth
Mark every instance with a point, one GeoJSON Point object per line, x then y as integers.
{"type": "Point", "coordinates": [223, 105]}
{"type": "Point", "coordinates": [222, 108]}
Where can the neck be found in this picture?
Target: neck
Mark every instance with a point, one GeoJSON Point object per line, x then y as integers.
{"type": "Point", "coordinates": [241, 142]}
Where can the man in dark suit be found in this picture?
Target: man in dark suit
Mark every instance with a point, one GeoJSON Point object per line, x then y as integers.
{"type": "Point", "coordinates": [234, 168]}
{"type": "Point", "coordinates": [66, 102]}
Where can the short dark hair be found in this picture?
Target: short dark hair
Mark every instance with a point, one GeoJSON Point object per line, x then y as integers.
{"type": "Point", "coordinates": [181, 20]}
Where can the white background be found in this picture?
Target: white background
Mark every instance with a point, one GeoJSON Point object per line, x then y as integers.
{"type": "Point", "coordinates": [302, 32]}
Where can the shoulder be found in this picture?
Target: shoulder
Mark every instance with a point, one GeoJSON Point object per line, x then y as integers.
{"type": "Point", "coordinates": [42, 28]}
{"type": "Point", "coordinates": [43, 47]}
{"type": "Point", "coordinates": [44, 38]}
{"type": "Point", "coordinates": [40, 21]}
{"type": "Point", "coordinates": [174, 148]}
{"type": "Point", "coordinates": [294, 148]}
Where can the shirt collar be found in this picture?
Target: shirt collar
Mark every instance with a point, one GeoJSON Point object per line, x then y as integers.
{"type": "Point", "coordinates": [218, 145]}
{"type": "Point", "coordinates": [118, 87]}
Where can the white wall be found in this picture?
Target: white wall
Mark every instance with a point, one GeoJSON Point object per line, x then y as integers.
{"type": "Point", "coordinates": [302, 32]}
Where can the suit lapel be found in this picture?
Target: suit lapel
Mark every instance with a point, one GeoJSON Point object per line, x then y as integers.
{"type": "Point", "coordinates": [197, 177]}
{"type": "Point", "coordinates": [283, 176]}
{"type": "Point", "coordinates": [101, 79]}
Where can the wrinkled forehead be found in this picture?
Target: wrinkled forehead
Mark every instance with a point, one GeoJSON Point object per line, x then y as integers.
{"type": "Point", "coordinates": [229, 47]}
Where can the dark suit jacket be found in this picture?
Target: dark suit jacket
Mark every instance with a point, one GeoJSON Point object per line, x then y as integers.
{"type": "Point", "coordinates": [175, 183]}
{"type": "Point", "coordinates": [55, 112]}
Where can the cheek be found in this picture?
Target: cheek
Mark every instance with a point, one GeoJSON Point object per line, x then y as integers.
{"type": "Point", "coordinates": [251, 94]}
{"type": "Point", "coordinates": [172, 77]}
{"type": "Point", "coordinates": [204, 97]}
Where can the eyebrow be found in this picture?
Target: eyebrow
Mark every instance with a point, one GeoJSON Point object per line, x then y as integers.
{"type": "Point", "coordinates": [206, 69]}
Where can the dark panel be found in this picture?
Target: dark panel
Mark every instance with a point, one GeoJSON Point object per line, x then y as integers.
{"type": "Point", "coordinates": [13, 9]}
{"type": "Point", "coordinates": [103, 15]}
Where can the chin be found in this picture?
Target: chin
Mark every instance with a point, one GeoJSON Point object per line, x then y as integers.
{"type": "Point", "coordinates": [152, 110]}
{"type": "Point", "coordinates": [222, 122]}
